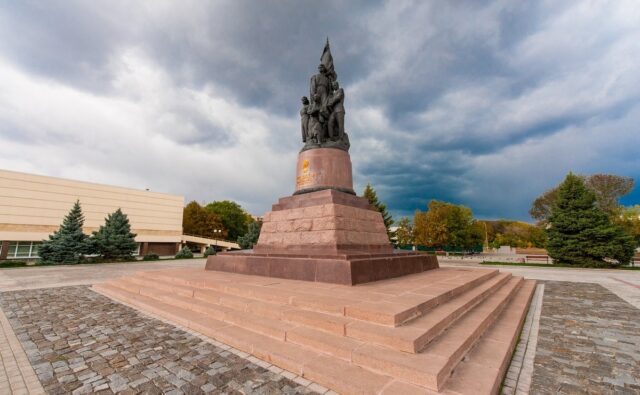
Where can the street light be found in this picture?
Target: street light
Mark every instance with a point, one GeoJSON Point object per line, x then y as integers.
{"type": "Point", "coordinates": [215, 238]}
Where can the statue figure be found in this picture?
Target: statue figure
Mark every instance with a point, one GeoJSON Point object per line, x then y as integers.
{"type": "Point", "coordinates": [335, 124]}
{"type": "Point", "coordinates": [322, 114]}
{"type": "Point", "coordinates": [317, 120]}
{"type": "Point", "coordinates": [320, 85]}
{"type": "Point", "coordinates": [304, 118]}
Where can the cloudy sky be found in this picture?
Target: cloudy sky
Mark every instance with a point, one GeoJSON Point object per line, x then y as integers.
{"type": "Point", "coordinates": [485, 104]}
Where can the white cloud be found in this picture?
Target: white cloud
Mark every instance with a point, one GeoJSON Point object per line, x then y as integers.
{"type": "Point", "coordinates": [459, 101]}
{"type": "Point", "coordinates": [133, 137]}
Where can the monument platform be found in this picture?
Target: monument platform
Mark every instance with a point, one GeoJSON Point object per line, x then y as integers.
{"type": "Point", "coordinates": [446, 330]}
{"type": "Point", "coordinates": [325, 236]}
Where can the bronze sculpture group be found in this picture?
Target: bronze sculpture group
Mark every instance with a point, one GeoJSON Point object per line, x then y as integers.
{"type": "Point", "coordinates": [322, 118]}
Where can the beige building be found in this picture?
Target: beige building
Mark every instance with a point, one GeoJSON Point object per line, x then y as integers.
{"type": "Point", "coordinates": [33, 206]}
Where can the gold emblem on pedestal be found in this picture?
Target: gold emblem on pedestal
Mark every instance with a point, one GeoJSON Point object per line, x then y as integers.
{"type": "Point", "coordinates": [306, 177]}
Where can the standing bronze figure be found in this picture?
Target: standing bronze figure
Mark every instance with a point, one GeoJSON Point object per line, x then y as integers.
{"type": "Point", "coordinates": [322, 114]}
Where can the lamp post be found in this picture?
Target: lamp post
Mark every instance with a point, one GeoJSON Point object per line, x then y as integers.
{"type": "Point", "coordinates": [215, 231]}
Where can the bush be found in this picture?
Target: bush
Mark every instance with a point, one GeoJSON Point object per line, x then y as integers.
{"type": "Point", "coordinates": [211, 250]}
{"type": "Point", "coordinates": [151, 256]}
{"type": "Point", "coordinates": [11, 263]}
{"type": "Point", "coordinates": [184, 253]}
{"type": "Point", "coordinates": [251, 237]}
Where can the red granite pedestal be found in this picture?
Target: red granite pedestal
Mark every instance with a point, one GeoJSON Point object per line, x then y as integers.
{"type": "Point", "coordinates": [323, 232]}
{"type": "Point", "coordinates": [323, 168]}
{"type": "Point", "coordinates": [326, 236]}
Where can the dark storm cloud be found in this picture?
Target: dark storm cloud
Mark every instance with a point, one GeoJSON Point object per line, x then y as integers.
{"type": "Point", "coordinates": [482, 103]}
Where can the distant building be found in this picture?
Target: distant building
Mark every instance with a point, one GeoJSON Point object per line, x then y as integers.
{"type": "Point", "coordinates": [32, 207]}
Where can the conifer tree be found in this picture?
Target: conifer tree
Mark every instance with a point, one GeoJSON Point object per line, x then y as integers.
{"type": "Point", "coordinates": [251, 237]}
{"type": "Point", "coordinates": [371, 195]}
{"type": "Point", "coordinates": [580, 233]}
{"type": "Point", "coordinates": [114, 240]}
{"type": "Point", "coordinates": [68, 244]}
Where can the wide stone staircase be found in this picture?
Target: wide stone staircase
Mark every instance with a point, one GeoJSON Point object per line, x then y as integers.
{"type": "Point", "coordinates": [448, 330]}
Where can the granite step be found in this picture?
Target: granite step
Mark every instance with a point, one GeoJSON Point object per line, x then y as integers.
{"type": "Point", "coordinates": [164, 310]}
{"type": "Point", "coordinates": [252, 287]}
{"type": "Point", "coordinates": [385, 304]}
{"type": "Point", "coordinates": [219, 305]}
{"type": "Point", "coordinates": [320, 321]}
{"type": "Point", "coordinates": [307, 332]}
{"type": "Point", "coordinates": [125, 284]}
{"type": "Point", "coordinates": [162, 285]}
{"type": "Point", "coordinates": [324, 369]}
{"type": "Point", "coordinates": [407, 306]}
{"type": "Point", "coordinates": [434, 365]}
{"type": "Point", "coordinates": [483, 368]}
{"type": "Point", "coordinates": [219, 295]}
{"type": "Point", "coordinates": [306, 309]}
{"type": "Point", "coordinates": [324, 342]}
{"type": "Point", "coordinates": [287, 356]}
{"type": "Point", "coordinates": [228, 310]}
{"type": "Point", "coordinates": [411, 337]}
{"type": "Point", "coordinates": [344, 377]}
{"type": "Point", "coordinates": [415, 335]}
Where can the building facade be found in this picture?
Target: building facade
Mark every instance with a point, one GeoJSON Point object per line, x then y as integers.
{"type": "Point", "coordinates": [33, 206]}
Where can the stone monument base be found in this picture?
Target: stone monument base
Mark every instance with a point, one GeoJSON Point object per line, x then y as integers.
{"type": "Point", "coordinates": [346, 269]}
{"type": "Point", "coordinates": [325, 236]}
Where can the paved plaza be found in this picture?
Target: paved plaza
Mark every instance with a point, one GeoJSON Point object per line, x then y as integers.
{"type": "Point", "coordinates": [58, 336]}
{"type": "Point", "coordinates": [81, 342]}
{"type": "Point", "coordinates": [58, 276]}
{"type": "Point", "coordinates": [589, 339]}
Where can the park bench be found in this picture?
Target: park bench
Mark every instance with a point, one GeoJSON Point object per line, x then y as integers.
{"type": "Point", "coordinates": [537, 258]}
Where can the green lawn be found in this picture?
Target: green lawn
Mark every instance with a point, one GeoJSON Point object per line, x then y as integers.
{"type": "Point", "coordinates": [493, 263]}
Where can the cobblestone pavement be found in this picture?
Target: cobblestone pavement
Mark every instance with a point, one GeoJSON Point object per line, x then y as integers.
{"type": "Point", "coordinates": [81, 342]}
{"type": "Point", "coordinates": [588, 343]}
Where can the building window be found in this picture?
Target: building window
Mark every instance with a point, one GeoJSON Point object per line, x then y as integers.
{"type": "Point", "coordinates": [136, 252]}
{"type": "Point", "coordinates": [23, 249]}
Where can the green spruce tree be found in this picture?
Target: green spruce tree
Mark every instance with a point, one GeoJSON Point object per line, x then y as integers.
{"type": "Point", "coordinates": [184, 253]}
{"type": "Point", "coordinates": [211, 250]}
{"type": "Point", "coordinates": [580, 233]}
{"type": "Point", "coordinates": [371, 195]}
{"type": "Point", "coordinates": [114, 240]}
{"type": "Point", "coordinates": [68, 244]}
{"type": "Point", "coordinates": [251, 237]}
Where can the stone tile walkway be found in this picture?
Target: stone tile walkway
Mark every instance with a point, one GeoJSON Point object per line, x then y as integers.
{"type": "Point", "coordinates": [15, 279]}
{"type": "Point", "coordinates": [588, 343]}
{"type": "Point", "coordinates": [518, 378]}
{"type": "Point", "coordinates": [81, 342]}
{"type": "Point", "coordinates": [627, 290]}
{"type": "Point", "coordinates": [16, 374]}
